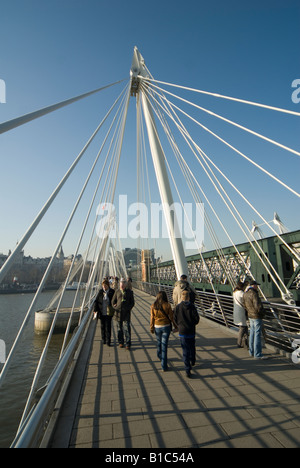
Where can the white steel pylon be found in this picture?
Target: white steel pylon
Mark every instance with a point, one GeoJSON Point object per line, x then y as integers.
{"type": "Point", "coordinates": [138, 70]}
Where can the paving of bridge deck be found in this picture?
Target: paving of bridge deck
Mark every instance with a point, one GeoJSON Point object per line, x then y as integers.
{"type": "Point", "coordinates": [126, 401]}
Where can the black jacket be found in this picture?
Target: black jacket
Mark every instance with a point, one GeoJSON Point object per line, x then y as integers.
{"type": "Point", "coordinates": [186, 318]}
{"type": "Point", "coordinates": [99, 302]}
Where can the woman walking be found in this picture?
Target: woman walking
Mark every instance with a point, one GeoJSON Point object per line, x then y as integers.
{"type": "Point", "coordinates": [104, 311]}
{"type": "Point", "coordinates": [161, 324]}
{"type": "Point", "coordinates": [239, 313]}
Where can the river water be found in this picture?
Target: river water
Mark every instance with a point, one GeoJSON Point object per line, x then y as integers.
{"type": "Point", "coordinates": [14, 392]}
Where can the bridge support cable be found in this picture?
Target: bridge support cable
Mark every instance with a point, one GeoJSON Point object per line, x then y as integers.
{"type": "Point", "coordinates": [86, 255]}
{"type": "Point", "coordinates": [286, 297]}
{"type": "Point", "coordinates": [183, 166]}
{"type": "Point", "coordinates": [233, 208]}
{"type": "Point", "coordinates": [189, 176]}
{"type": "Point", "coordinates": [176, 150]}
{"type": "Point", "coordinates": [172, 106]}
{"type": "Point", "coordinates": [139, 73]}
{"type": "Point", "coordinates": [243, 101]}
{"type": "Point", "coordinates": [30, 231]}
{"type": "Point", "coordinates": [73, 272]}
{"type": "Point", "coordinates": [112, 189]}
{"type": "Point", "coordinates": [97, 263]}
{"type": "Point", "coordinates": [192, 181]}
{"type": "Point", "coordinates": [191, 187]}
{"type": "Point", "coordinates": [150, 101]}
{"type": "Point", "coordinates": [94, 238]}
{"type": "Point", "coordinates": [283, 290]}
{"type": "Point", "coordinates": [265, 171]}
{"type": "Point", "coordinates": [11, 259]}
{"type": "Point", "coordinates": [231, 122]}
{"type": "Point", "coordinates": [105, 195]}
{"type": "Point", "coordinates": [11, 124]}
{"type": "Point", "coordinates": [116, 256]}
{"type": "Point", "coordinates": [285, 294]}
{"type": "Point", "coordinates": [232, 147]}
{"type": "Point", "coordinates": [220, 255]}
{"type": "Point", "coordinates": [101, 235]}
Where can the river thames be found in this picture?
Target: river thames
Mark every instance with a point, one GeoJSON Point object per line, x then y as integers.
{"type": "Point", "coordinates": [14, 392]}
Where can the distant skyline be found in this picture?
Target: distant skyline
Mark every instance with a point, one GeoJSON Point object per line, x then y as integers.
{"type": "Point", "coordinates": [52, 51]}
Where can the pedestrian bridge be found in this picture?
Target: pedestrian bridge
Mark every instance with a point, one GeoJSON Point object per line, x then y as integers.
{"type": "Point", "coordinates": [122, 399]}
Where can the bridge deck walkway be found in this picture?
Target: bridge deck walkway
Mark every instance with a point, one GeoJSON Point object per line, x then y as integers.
{"type": "Point", "coordinates": [122, 399]}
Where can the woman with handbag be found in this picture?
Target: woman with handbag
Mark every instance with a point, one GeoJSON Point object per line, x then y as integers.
{"type": "Point", "coordinates": [161, 324]}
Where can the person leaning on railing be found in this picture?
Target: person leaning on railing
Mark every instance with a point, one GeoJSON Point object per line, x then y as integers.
{"type": "Point", "coordinates": [256, 314]}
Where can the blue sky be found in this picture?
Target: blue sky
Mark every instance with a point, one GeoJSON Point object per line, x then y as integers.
{"type": "Point", "coordinates": [54, 50]}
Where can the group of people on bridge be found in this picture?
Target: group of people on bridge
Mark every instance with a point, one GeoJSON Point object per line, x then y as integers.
{"type": "Point", "coordinates": [118, 303]}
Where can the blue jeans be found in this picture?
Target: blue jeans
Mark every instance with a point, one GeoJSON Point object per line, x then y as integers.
{"type": "Point", "coordinates": [188, 345]}
{"type": "Point", "coordinates": [162, 336]}
{"type": "Point", "coordinates": [124, 328]}
{"type": "Point", "coordinates": [255, 346]}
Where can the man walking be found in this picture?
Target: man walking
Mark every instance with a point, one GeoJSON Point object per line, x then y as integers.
{"type": "Point", "coordinates": [179, 287]}
{"type": "Point", "coordinates": [186, 318]}
{"type": "Point", "coordinates": [256, 314]}
{"type": "Point", "coordinates": [123, 303]}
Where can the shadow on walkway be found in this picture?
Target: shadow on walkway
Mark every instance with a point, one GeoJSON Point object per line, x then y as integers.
{"type": "Point", "coordinates": [126, 401]}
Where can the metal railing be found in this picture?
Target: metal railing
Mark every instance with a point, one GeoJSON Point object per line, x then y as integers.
{"type": "Point", "coordinates": [32, 431]}
{"type": "Point", "coordinates": [281, 322]}
{"type": "Point", "coordinates": [281, 328]}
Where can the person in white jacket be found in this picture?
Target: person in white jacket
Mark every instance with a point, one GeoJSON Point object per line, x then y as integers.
{"type": "Point", "coordinates": [179, 287]}
{"type": "Point", "coordinates": [239, 313]}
